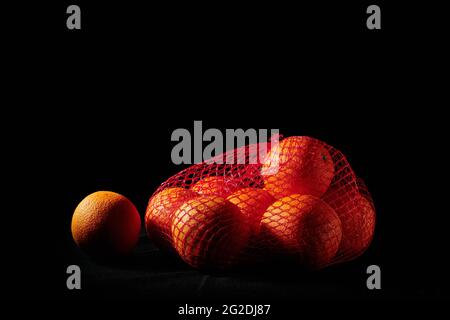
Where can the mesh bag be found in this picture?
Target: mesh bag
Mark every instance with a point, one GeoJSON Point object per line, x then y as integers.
{"type": "Point", "coordinates": [300, 199]}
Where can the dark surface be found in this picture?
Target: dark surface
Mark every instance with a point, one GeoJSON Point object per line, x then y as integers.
{"type": "Point", "coordinates": [150, 274]}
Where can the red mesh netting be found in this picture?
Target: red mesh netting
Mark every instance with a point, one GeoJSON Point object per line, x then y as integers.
{"type": "Point", "coordinates": [301, 200]}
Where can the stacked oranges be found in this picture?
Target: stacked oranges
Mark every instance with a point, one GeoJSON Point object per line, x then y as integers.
{"type": "Point", "coordinates": [309, 207]}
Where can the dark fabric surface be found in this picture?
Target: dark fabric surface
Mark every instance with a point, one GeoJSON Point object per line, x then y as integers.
{"type": "Point", "coordinates": [149, 273]}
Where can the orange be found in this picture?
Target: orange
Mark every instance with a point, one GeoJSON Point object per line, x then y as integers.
{"type": "Point", "coordinates": [303, 226]}
{"type": "Point", "coordinates": [357, 217]}
{"type": "Point", "coordinates": [209, 232]}
{"type": "Point", "coordinates": [368, 222]}
{"type": "Point", "coordinates": [106, 223]}
{"type": "Point", "coordinates": [253, 203]}
{"type": "Point", "coordinates": [215, 185]}
{"type": "Point", "coordinates": [159, 214]}
{"type": "Point", "coordinates": [304, 166]}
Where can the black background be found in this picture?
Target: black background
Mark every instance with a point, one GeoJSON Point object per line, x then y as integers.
{"type": "Point", "coordinates": [94, 110]}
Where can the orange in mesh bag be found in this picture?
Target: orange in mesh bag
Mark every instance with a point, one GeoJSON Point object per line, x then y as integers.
{"type": "Point", "coordinates": [302, 226]}
{"type": "Point", "coordinates": [159, 214]}
{"type": "Point", "coordinates": [302, 199]}
{"type": "Point", "coordinates": [214, 186]}
{"type": "Point", "coordinates": [209, 232]}
{"type": "Point", "coordinates": [357, 215]}
{"type": "Point", "coordinates": [304, 166]}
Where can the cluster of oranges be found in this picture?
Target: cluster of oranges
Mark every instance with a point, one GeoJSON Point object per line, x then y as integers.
{"type": "Point", "coordinates": [305, 209]}
{"type": "Point", "coordinates": [309, 208]}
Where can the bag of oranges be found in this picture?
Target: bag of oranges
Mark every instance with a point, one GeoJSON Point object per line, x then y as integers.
{"type": "Point", "coordinates": [302, 200]}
